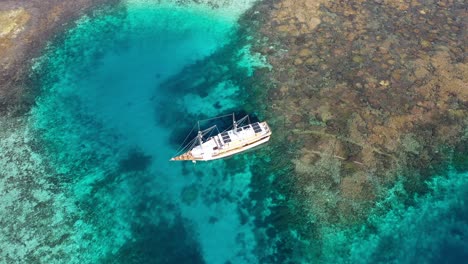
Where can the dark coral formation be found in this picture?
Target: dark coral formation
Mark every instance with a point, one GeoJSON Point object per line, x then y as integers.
{"type": "Point", "coordinates": [135, 161]}
{"type": "Point", "coordinates": [156, 243]}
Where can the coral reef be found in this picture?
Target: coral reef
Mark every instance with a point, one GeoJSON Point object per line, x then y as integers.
{"type": "Point", "coordinates": [352, 87]}
{"type": "Point", "coordinates": [41, 215]}
{"type": "Point", "coordinates": [436, 223]}
{"type": "Point", "coordinates": [26, 28]}
{"type": "Point", "coordinates": [364, 91]}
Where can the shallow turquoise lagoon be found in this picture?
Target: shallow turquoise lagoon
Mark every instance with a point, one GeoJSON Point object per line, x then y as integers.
{"type": "Point", "coordinates": [111, 116]}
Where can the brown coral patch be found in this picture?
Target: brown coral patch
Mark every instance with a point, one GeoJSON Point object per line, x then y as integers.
{"type": "Point", "coordinates": [367, 88]}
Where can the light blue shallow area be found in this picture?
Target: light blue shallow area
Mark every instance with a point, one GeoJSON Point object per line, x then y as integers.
{"type": "Point", "coordinates": [99, 114]}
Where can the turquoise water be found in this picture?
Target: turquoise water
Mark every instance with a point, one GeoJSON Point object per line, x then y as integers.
{"type": "Point", "coordinates": [111, 117]}
{"type": "Point", "coordinates": [432, 229]}
{"type": "Point", "coordinates": [119, 92]}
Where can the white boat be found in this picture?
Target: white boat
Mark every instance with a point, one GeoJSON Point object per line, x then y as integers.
{"type": "Point", "coordinates": [226, 143]}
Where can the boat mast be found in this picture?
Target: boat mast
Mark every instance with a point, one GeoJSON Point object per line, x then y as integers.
{"type": "Point", "coordinates": [200, 136]}
{"type": "Point", "coordinates": [234, 123]}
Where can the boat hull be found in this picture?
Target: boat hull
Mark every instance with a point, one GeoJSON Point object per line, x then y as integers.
{"type": "Point", "coordinates": [228, 143]}
{"type": "Point", "coordinates": [235, 151]}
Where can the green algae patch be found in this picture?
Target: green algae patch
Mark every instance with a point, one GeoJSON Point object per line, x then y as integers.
{"type": "Point", "coordinates": [460, 158]}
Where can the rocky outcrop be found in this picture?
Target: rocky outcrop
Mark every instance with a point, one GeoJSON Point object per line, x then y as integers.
{"type": "Point", "coordinates": [27, 25]}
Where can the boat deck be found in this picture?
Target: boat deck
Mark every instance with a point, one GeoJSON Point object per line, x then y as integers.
{"type": "Point", "coordinates": [235, 139]}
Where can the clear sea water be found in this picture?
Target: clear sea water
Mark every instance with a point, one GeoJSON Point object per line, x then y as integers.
{"type": "Point", "coordinates": [118, 94]}
{"type": "Point", "coordinates": [113, 124]}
